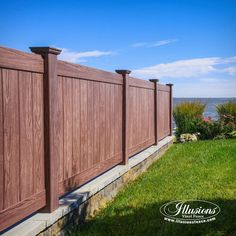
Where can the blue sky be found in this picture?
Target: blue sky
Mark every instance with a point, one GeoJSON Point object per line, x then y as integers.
{"type": "Point", "coordinates": [189, 43]}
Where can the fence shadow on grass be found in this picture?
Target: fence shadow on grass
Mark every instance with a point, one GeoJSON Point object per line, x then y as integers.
{"type": "Point", "coordinates": [147, 220]}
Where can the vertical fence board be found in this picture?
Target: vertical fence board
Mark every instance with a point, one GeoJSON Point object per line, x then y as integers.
{"type": "Point", "coordinates": [102, 126]}
{"type": "Point", "coordinates": [68, 127]}
{"type": "Point", "coordinates": [130, 136]}
{"type": "Point", "coordinates": [120, 118]}
{"type": "Point", "coordinates": [135, 134]}
{"type": "Point", "coordinates": [59, 127]}
{"type": "Point", "coordinates": [152, 113]}
{"type": "Point", "coordinates": [1, 146]}
{"type": "Point", "coordinates": [26, 135]}
{"type": "Point", "coordinates": [38, 148]}
{"type": "Point", "coordinates": [90, 120]}
{"type": "Point", "coordinates": [108, 123]}
{"type": "Point", "coordinates": [112, 120]}
{"type": "Point", "coordinates": [163, 111]}
{"type": "Point", "coordinates": [146, 115]}
{"type": "Point", "coordinates": [84, 124]}
{"type": "Point", "coordinates": [96, 153]}
{"type": "Point", "coordinates": [76, 161]}
{"type": "Point", "coordinates": [116, 119]}
{"type": "Point", "coordinates": [11, 137]}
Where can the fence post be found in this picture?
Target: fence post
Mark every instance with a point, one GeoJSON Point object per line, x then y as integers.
{"type": "Point", "coordinates": [171, 108]}
{"type": "Point", "coordinates": [155, 81]}
{"type": "Point", "coordinates": [125, 75]}
{"type": "Point", "coordinates": [49, 99]}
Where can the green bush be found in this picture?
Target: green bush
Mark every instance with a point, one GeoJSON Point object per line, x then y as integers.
{"type": "Point", "coordinates": [227, 112]}
{"type": "Point", "coordinates": [210, 129]}
{"type": "Point", "coordinates": [187, 115]}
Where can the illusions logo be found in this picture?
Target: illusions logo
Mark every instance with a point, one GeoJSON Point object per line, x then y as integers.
{"type": "Point", "coordinates": [190, 211]}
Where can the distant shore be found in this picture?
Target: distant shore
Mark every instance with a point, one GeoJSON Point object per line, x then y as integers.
{"type": "Point", "coordinates": [211, 103]}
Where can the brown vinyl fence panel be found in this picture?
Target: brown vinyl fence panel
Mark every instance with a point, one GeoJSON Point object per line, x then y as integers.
{"type": "Point", "coordinates": [63, 124]}
{"type": "Point", "coordinates": [91, 127]}
{"type": "Point", "coordinates": [163, 102]}
{"type": "Point", "coordinates": [141, 121]}
{"type": "Point", "coordinates": [22, 190]}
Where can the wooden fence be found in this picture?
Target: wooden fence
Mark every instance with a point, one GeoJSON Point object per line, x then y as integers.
{"type": "Point", "coordinates": [62, 124]}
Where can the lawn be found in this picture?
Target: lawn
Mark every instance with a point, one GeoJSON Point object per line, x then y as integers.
{"type": "Point", "coordinates": [203, 170]}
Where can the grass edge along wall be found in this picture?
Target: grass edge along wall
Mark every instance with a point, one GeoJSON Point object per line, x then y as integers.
{"type": "Point", "coordinates": [62, 124]}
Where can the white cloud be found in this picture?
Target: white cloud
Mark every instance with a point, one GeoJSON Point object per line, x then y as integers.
{"type": "Point", "coordinates": [163, 42]}
{"type": "Point", "coordinates": [231, 70]}
{"type": "Point", "coordinates": [228, 60]}
{"type": "Point", "coordinates": [186, 68]}
{"type": "Point", "coordinates": [73, 56]}
{"type": "Point", "coordinates": [153, 44]}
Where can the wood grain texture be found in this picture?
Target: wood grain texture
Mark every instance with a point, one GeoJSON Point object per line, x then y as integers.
{"type": "Point", "coordinates": [90, 173]}
{"type": "Point", "coordinates": [38, 132]}
{"type": "Point", "coordinates": [68, 127]}
{"type": "Point", "coordinates": [53, 129]}
{"type": "Point", "coordinates": [1, 145]}
{"type": "Point", "coordinates": [58, 127]}
{"type": "Point", "coordinates": [17, 60]}
{"type": "Point", "coordinates": [76, 161]}
{"type": "Point", "coordinates": [139, 83]}
{"type": "Point", "coordinates": [91, 121]}
{"type": "Point", "coordinates": [108, 121]}
{"type": "Point", "coordinates": [22, 209]}
{"type": "Point", "coordinates": [141, 119]}
{"type": "Point", "coordinates": [63, 124]}
{"type": "Point", "coordinates": [155, 81]}
{"type": "Point", "coordinates": [84, 124]}
{"type": "Point", "coordinates": [26, 135]}
{"type": "Point", "coordinates": [96, 115]}
{"type": "Point", "coordinates": [96, 110]}
{"type": "Point", "coordinates": [88, 73]}
{"type": "Point", "coordinates": [170, 108]}
{"type": "Point", "coordinates": [162, 87]}
{"type": "Point", "coordinates": [21, 141]}
{"type": "Point", "coordinates": [11, 137]}
{"type": "Point", "coordinates": [102, 121]}
{"type": "Point", "coordinates": [163, 115]}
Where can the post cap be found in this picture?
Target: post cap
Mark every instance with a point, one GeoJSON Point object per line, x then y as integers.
{"type": "Point", "coordinates": [123, 72]}
{"type": "Point", "coordinates": [45, 50]}
{"type": "Point", "coordinates": [170, 85]}
{"type": "Point", "coordinates": [154, 80]}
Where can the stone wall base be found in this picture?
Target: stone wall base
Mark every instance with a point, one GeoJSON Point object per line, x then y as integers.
{"type": "Point", "coordinates": [70, 222]}
{"type": "Point", "coordinates": [87, 200]}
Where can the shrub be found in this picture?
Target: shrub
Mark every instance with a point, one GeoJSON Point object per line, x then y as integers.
{"type": "Point", "coordinates": [187, 115]}
{"type": "Point", "coordinates": [210, 129]}
{"type": "Point", "coordinates": [227, 112]}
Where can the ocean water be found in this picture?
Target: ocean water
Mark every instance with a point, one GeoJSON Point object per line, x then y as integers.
{"type": "Point", "coordinates": [211, 104]}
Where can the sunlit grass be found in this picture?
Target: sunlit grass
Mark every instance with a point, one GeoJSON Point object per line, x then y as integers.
{"type": "Point", "coordinates": [203, 170]}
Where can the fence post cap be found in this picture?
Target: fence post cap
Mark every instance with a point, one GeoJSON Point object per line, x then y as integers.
{"type": "Point", "coordinates": [45, 50]}
{"type": "Point", "coordinates": [170, 85]}
{"type": "Point", "coordinates": [154, 80]}
{"type": "Point", "coordinates": [123, 72]}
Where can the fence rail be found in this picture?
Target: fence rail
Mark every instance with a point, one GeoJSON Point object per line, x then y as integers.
{"type": "Point", "coordinates": [62, 124]}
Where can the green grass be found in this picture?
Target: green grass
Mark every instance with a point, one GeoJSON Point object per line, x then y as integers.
{"type": "Point", "coordinates": [203, 170]}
